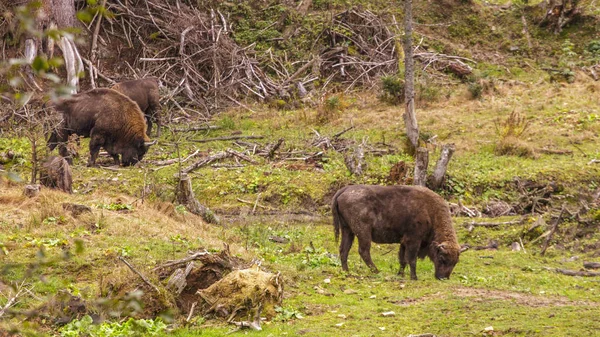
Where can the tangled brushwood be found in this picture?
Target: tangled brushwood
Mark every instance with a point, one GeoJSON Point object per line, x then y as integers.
{"type": "Point", "coordinates": [191, 51]}
{"type": "Point", "coordinates": [361, 49]}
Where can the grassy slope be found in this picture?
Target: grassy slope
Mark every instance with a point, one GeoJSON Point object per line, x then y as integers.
{"type": "Point", "coordinates": [513, 292]}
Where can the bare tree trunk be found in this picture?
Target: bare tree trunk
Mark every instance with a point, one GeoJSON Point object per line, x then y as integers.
{"type": "Point", "coordinates": [421, 163]}
{"type": "Point", "coordinates": [410, 118]}
{"type": "Point", "coordinates": [439, 172]}
{"type": "Point", "coordinates": [63, 12]}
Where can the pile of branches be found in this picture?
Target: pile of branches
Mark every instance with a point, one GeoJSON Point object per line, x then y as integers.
{"type": "Point", "coordinates": [361, 49]}
{"type": "Point", "coordinates": [190, 50]}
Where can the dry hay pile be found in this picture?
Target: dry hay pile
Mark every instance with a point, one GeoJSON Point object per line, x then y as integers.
{"type": "Point", "coordinates": [361, 49]}
{"type": "Point", "coordinates": [244, 293]}
{"type": "Point", "coordinates": [190, 50]}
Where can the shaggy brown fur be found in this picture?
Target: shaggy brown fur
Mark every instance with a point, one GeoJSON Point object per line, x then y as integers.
{"type": "Point", "coordinates": [56, 173]}
{"type": "Point", "coordinates": [145, 93]}
{"type": "Point", "coordinates": [414, 216]}
{"type": "Point", "coordinates": [112, 121]}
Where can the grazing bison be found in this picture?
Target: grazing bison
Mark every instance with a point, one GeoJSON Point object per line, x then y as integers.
{"type": "Point", "coordinates": [109, 118]}
{"type": "Point", "coordinates": [414, 216]}
{"type": "Point", "coordinates": [145, 93]}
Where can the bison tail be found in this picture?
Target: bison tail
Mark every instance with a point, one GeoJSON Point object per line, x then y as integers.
{"type": "Point", "coordinates": [337, 219]}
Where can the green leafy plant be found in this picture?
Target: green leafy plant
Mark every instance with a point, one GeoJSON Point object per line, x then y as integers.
{"type": "Point", "coordinates": [132, 327]}
{"type": "Point", "coordinates": [286, 314]}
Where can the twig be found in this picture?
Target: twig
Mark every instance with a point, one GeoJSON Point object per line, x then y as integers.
{"type": "Point", "coordinates": [139, 274]}
{"type": "Point", "coordinates": [256, 204]}
{"type": "Point", "coordinates": [493, 224]}
{"type": "Point", "coordinates": [198, 128]}
{"type": "Point", "coordinates": [554, 228]}
{"type": "Point", "coordinates": [191, 312]}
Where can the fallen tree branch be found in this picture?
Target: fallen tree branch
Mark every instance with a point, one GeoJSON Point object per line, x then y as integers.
{"type": "Point", "coordinates": [493, 224]}
{"type": "Point", "coordinates": [225, 138]}
{"type": "Point", "coordinates": [139, 274]}
{"type": "Point", "coordinates": [195, 256]}
{"type": "Point", "coordinates": [591, 265]}
{"type": "Point", "coordinates": [574, 272]}
{"type": "Point", "coordinates": [198, 128]}
{"type": "Point", "coordinates": [554, 228]}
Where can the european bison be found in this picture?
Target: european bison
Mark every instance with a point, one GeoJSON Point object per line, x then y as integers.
{"type": "Point", "coordinates": [414, 216]}
{"type": "Point", "coordinates": [145, 93]}
{"type": "Point", "coordinates": [109, 118]}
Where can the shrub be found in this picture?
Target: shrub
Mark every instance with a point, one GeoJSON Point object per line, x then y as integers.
{"type": "Point", "coordinates": [393, 89]}
{"type": "Point", "coordinates": [331, 106]}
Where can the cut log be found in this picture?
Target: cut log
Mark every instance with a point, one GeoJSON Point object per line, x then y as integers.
{"type": "Point", "coordinates": [421, 163]}
{"type": "Point", "coordinates": [439, 173]}
{"type": "Point", "coordinates": [185, 197]}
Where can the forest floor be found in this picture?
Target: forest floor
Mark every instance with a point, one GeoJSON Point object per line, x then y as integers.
{"type": "Point", "coordinates": [491, 292]}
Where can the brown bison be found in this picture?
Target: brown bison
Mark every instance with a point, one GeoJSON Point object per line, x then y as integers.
{"type": "Point", "coordinates": [414, 216]}
{"type": "Point", "coordinates": [109, 118]}
{"type": "Point", "coordinates": [145, 93]}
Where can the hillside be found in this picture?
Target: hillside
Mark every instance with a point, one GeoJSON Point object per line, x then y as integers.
{"type": "Point", "coordinates": [525, 174]}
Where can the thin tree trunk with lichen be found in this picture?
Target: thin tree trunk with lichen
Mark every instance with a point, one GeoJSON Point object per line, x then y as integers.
{"type": "Point", "coordinates": [421, 163]}
{"type": "Point", "coordinates": [410, 118]}
{"type": "Point", "coordinates": [439, 172]}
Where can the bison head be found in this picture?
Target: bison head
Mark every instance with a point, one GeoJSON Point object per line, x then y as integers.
{"type": "Point", "coordinates": [133, 154]}
{"type": "Point", "coordinates": [445, 257]}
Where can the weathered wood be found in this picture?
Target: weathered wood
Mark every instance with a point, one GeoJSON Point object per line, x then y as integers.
{"type": "Point", "coordinates": [198, 128]}
{"type": "Point", "coordinates": [410, 118]}
{"type": "Point", "coordinates": [139, 274]}
{"type": "Point", "coordinates": [421, 163]}
{"type": "Point", "coordinates": [554, 228]}
{"type": "Point", "coordinates": [576, 272]}
{"type": "Point", "coordinates": [31, 191]}
{"type": "Point", "coordinates": [591, 265]}
{"type": "Point", "coordinates": [493, 224]}
{"type": "Point", "coordinates": [185, 197]}
{"type": "Point", "coordinates": [178, 279]}
{"type": "Point", "coordinates": [271, 149]}
{"type": "Point", "coordinates": [225, 138]}
{"type": "Point", "coordinates": [355, 162]}
{"type": "Point", "coordinates": [56, 173]}
{"type": "Point", "coordinates": [439, 172]}
{"type": "Point", "coordinates": [206, 161]}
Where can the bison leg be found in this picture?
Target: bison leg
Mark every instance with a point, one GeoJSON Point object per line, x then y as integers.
{"type": "Point", "coordinates": [364, 249]}
{"type": "Point", "coordinates": [149, 119]}
{"type": "Point", "coordinates": [410, 256]}
{"type": "Point", "coordinates": [401, 254]}
{"type": "Point", "coordinates": [345, 245]}
{"type": "Point", "coordinates": [96, 143]}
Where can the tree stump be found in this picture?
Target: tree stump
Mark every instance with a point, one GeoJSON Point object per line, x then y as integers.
{"type": "Point", "coordinates": [439, 173]}
{"type": "Point", "coordinates": [185, 197]}
{"type": "Point", "coordinates": [56, 173]}
{"type": "Point", "coordinates": [421, 163]}
{"type": "Point", "coordinates": [355, 162]}
{"type": "Point", "coordinates": [32, 190]}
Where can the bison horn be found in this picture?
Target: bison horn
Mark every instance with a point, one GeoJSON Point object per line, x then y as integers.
{"type": "Point", "coordinates": [148, 144]}
{"type": "Point", "coordinates": [442, 248]}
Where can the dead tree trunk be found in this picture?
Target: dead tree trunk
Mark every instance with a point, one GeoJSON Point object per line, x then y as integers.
{"type": "Point", "coordinates": [355, 162]}
{"type": "Point", "coordinates": [421, 163]}
{"type": "Point", "coordinates": [56, 173]}
{"type": "Point", "coordinates": [185, 197]}
{"type": "Point", "coordinates": [439, 172]}
{"type": "Point", "coordinates": [410, 118]}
